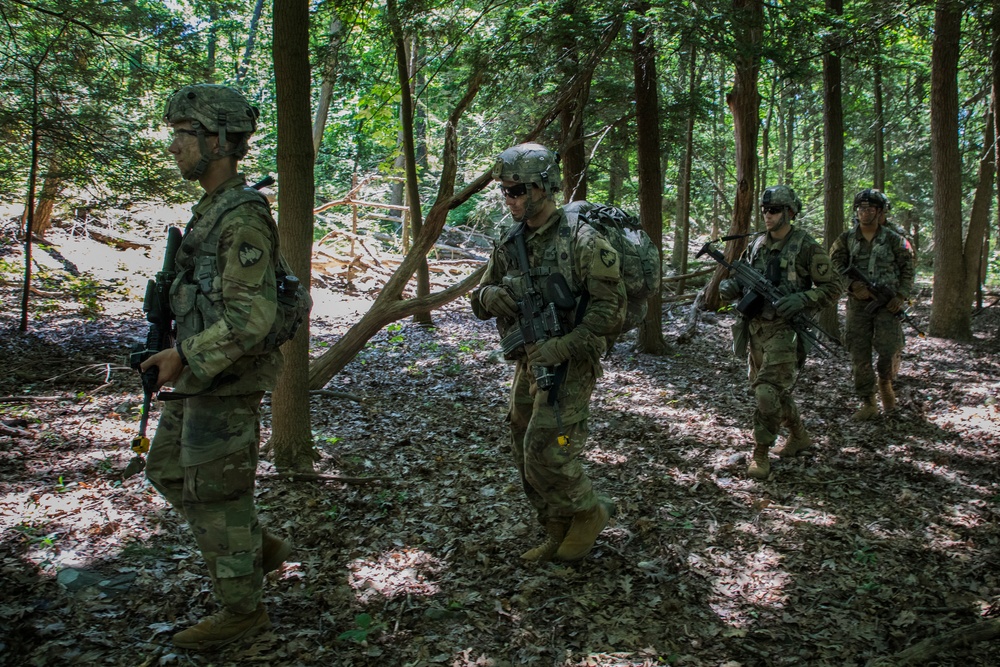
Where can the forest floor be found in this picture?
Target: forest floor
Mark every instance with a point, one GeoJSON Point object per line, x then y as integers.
{"type": "Point", "coordinates": [886, 535]}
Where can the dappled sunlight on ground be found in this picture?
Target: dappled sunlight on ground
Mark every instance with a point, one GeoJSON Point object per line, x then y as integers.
{"type": "Point", "coordinates": [406, 572]}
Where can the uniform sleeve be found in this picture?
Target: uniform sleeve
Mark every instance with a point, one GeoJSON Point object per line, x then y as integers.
{"type": "Point", "coordinates": [903, 259]}
{"type": "Point", "coordinates": [600, 266]}
{"type": "Point", "coordinates": [249, 295]}
{"type": "Point", "coordinates": [840, 254]}
{"type": "Point", "coordinates": [492, 276]}
{"type": "Point", "coordinates": [827, 284]}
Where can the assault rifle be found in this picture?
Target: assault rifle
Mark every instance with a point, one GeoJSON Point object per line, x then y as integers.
{"type": "Point", "coordinates": [749, 278]}
{"type": "Point", "coordinates": [156, 305]}
{"type": "Point", "coordinates": [539, 317]}
{"type": "Point", "coordinates": [882, 295]}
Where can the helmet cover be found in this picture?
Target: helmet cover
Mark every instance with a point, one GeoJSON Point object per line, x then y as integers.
{"type": "Point", "coordinates": [529, 163]}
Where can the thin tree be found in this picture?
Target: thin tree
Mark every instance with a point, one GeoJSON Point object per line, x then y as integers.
{"type": "Point", "coordinates": [647, 129]}
{"type": "Point", "coordinates": [292, 436]}
{"type": "Point", "coordinates": [409, 151]}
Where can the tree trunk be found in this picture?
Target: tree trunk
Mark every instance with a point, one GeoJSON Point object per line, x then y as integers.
{"type": "Point", "coordinates": [744, 103]}
{"type": "Point", "coordinates": [833, 165]}
{"type": "Point", "coordinates": [292, 433]}
{"type": "Point", "coordinates": [572, 149]}
{"type": "Point", "coordinates": [682, 220]}
{"type": "Point", "coordinates": [647, 126]}
{"type": "Point", "coordinates": [950, 312]}
{"type": "Point", "coordinates": [409, 152]}
{"type": "Point", "coordinates": [330, 64]}
{"type": "Point", "coordinates": [245, 62]}
{"type": "Point", "coordinates": [879, 180]}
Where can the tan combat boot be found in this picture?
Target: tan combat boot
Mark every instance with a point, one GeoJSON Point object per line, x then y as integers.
{"type": "Point", "coordinates": [760, 465]}
{"type": "Point", "coordinates": [887, 395]}
{"type": "Point", "coordinates": [868, 410]}
{"type": "Point", "coordinates": [274, 552]}
{"type": "Point", "coordinates": [583, 532]}
{"type": "Point", "coordinates": [223, 628]}
{"type": "Point", "coordinates": [556, 531]}
{"type": "Point", "coordinates": [798, 441]}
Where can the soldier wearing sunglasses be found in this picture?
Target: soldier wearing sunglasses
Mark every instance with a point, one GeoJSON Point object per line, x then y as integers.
{"type": "Point", "coordinates": [791, 259]}
{"type": "Point", "coordinates": [554, 377]}
{"type": "Point", "coordinates": [885, 257]}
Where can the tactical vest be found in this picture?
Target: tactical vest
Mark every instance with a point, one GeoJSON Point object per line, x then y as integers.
{"type": "Point", "coordinates": [783, 273]}
{"type": "Point", "coordinates": [558, 257]}
{"type": "Point", "coordinates": [877, 261]}
{"type": "Point", "coordinates": [196, 295]}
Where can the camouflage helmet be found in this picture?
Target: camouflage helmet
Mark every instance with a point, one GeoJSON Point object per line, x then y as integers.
{"type": "Point", "coordinates": [529, 163]}
{"type": "Point", "coordinates": [781, 195]}
{"type": "Point", "coordinates": [215, 109]}
{"type": "Point", "coordinates": [872, 197]}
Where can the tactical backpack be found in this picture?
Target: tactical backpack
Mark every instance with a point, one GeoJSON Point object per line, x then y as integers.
{"type": "Point", "coordinates": [294, 301]}
{"type": "Point", "coordinates": [639, 255]}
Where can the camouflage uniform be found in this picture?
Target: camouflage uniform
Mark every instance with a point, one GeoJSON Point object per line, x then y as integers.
{"type": "Point", "coordinates": [552, 475]}
{"type": "Point", "coordinates": [796, 263]}
{"type": "Point", "coordinates": [887, 260]}
{"type": "Point", "coordinates": [203, 458]}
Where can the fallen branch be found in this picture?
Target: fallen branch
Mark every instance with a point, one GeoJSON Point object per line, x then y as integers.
{"type": "Point", "coordinates": [958, 638]}
{"type": "Point", "coordinates": [691, 329]}
{"type": "Point", "coordinates": [31, 399]}
{"type": "Point", "coordinates": [318, 477]}
{"type": "Point", "coordinates": [15, 432]}
{"type": "Point", "coordinates": [336, 394]}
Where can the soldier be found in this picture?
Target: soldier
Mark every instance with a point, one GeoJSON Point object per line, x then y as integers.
{"type": "Point", "coordinates": [203, 458]}
{"type": "Point", "coordinates": [791, 259]}
{"type": "Point", "coordinates": [885, 257]}
{"type": "Point", "coordinates": [553, 378]}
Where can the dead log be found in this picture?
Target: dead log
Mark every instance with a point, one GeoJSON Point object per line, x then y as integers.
{"type": "Point", "coordinates": [929, 648]}
{"type": "Point", "coordinates": [120, 244]}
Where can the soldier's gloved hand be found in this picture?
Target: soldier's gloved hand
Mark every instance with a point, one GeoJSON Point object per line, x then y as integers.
{"type": "Point", "coordinates": [791, 304]}
{"type": "Point", "coordinates": [552, 352]}
{"type": "Point", "coordinates": [729, 289]}
{"type": "Point", "coordinates": [497, 300]}
{"type": "Point", "coordinates": [895, 305]}
{"type": "Point", "coordinates": [860, 291]}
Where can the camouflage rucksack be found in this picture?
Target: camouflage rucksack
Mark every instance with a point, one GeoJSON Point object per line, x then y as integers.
{"type": "Point", "coordinates": [639, 255]}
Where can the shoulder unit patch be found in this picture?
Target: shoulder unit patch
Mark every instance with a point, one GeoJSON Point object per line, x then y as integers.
{"type": "Point", "coordinates": [249, 255]}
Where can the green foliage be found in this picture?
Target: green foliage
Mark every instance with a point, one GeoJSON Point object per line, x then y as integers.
{"type": "Point", "coordinates": [366, 628]}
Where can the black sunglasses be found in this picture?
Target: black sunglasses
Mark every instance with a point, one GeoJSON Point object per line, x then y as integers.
{"type": "Point", "coordinates": [772, 209]}
{"type": "Point", "coordinates": [515, 191]}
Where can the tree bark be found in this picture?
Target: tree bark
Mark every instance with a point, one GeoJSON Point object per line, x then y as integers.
{"type": "Point", "coordinates": [647, 125]}
{"type": "Point", "coordinates": [292, 434]}
{"type": "Point", "coordinates": [747, 20]}
{"type": "Point", "coordinates": [833, 163]}
{"type": "Point", "coordinates": [950, 312]}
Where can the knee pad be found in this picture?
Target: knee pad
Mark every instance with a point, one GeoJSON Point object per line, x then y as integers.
{"type": "Point", "coordinates": [768, 400]}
